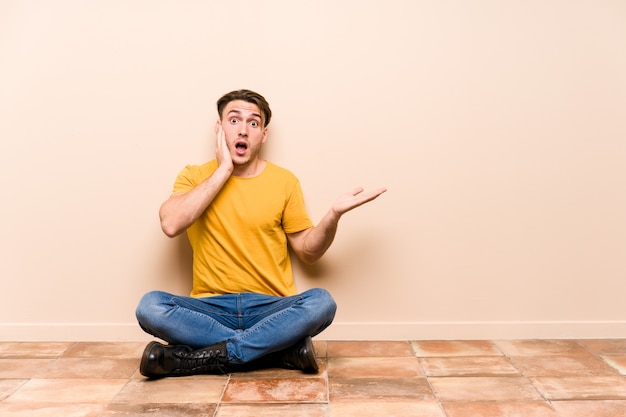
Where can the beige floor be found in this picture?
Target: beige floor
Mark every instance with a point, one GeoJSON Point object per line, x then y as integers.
{"type": "Point", "coordinates": [540, 378]}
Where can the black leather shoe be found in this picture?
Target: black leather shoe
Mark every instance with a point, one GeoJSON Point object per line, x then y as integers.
{"type": "Point", "coordinates": [159, 360]}
{"type": "Point", "coordinates": [300, 356]}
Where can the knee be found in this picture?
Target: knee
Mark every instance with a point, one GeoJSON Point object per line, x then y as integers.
{"type": "Point", "coordinates": [324, 301]}
{"type": "Point", "coordinates": [149, 306]}
{"type": "Point", "coordinates": [322, 307]}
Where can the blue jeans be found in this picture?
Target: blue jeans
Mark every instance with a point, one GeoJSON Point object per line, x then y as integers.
{"type": "Point", "coordinates": [252, 325]}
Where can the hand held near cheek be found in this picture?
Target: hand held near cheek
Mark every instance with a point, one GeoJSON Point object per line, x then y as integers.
{"type": "Point", "coordinates": [222, 145]}
{"type": "Point", "coordinates": [222, 153]}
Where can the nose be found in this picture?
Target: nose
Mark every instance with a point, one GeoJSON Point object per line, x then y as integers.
{"type": "Point", "coordinates": [243, 130]}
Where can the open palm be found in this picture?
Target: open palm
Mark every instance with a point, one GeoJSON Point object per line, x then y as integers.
{"type": "Point", "coordinates": [355, 198]}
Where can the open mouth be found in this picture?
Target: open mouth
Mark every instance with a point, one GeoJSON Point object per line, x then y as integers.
{"type": "Point", "coordinates": [241, 147]}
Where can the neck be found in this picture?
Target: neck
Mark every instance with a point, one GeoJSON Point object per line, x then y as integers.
{"type": "Point", "coordinates": [251, 169]}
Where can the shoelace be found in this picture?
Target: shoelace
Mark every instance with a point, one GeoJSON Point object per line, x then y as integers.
{"type": "Point", "coordinates": [197, 361]}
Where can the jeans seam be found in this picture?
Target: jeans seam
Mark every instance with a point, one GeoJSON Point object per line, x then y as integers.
{"type": "Point", "coordinates": [181, 303]}
{"type": "Point", "coordinates": [196, 313]}
{"type": "Point", "coordinates": [258, 326]}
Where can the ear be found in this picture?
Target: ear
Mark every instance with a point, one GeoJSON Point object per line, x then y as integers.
{"type": "Point", "coordinates": [217, 125]}
{"type": "Point", "coordinates": [265, 132]}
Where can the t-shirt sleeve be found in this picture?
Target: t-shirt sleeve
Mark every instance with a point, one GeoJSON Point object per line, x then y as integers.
{"type": "Point", "coordinates": [184, 181]}
{"type": "Point", "coordinates": [295, 217]}
{"type": "Point", "coordinates": [192, 175]}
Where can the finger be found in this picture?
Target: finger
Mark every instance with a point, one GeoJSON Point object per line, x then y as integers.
{"type": "Point", "coordinates": [371, 195]}
{"type": "Point", "coordinates": [357, 190]}
{"type": "Point", "coordinates": [379, 191]}
{"type": "Point", "coordinates": [221, 139]}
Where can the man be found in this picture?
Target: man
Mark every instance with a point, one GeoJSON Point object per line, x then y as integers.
{"type": "Point", "coordinates": [241, 213]}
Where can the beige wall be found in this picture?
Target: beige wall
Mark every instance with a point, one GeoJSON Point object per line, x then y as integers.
{"type": "Point", "coordinates": [498, 126]}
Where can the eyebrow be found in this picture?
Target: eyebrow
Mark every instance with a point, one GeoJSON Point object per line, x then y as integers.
{"type": "Point", "coordinates": [239, 112]}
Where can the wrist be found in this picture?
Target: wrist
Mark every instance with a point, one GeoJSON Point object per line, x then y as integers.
{"type": "Point", "coordinates": [225, 169]}
{"type": "Point", "coordinates": [334, 215]}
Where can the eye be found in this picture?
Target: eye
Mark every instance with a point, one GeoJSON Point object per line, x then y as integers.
{"type": "Point", "coordinates": [233, 121]}
{"type": "Point", "coordinates": [254, 123]}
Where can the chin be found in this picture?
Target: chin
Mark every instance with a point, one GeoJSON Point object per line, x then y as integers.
{"type": "Point", "coordinates": [239, 161]}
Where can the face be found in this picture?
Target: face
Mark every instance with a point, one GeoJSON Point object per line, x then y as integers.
{"type": "Point", "coordinates": [243, 128]}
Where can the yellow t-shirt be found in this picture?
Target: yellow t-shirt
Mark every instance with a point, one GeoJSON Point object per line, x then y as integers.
{"type": "Point", "coordinates": [239, 242]}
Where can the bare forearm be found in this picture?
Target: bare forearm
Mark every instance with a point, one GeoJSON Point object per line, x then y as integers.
{"type": "Point", "coordinates": [181, 210]}
{"type": "Point", "coordinates": [309, 245]}
{"type": "Point", "coordinates": [319, 238]}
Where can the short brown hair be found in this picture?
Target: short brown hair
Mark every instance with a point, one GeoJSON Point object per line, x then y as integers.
{"type": "Point", "coordinates": [250, 97]}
